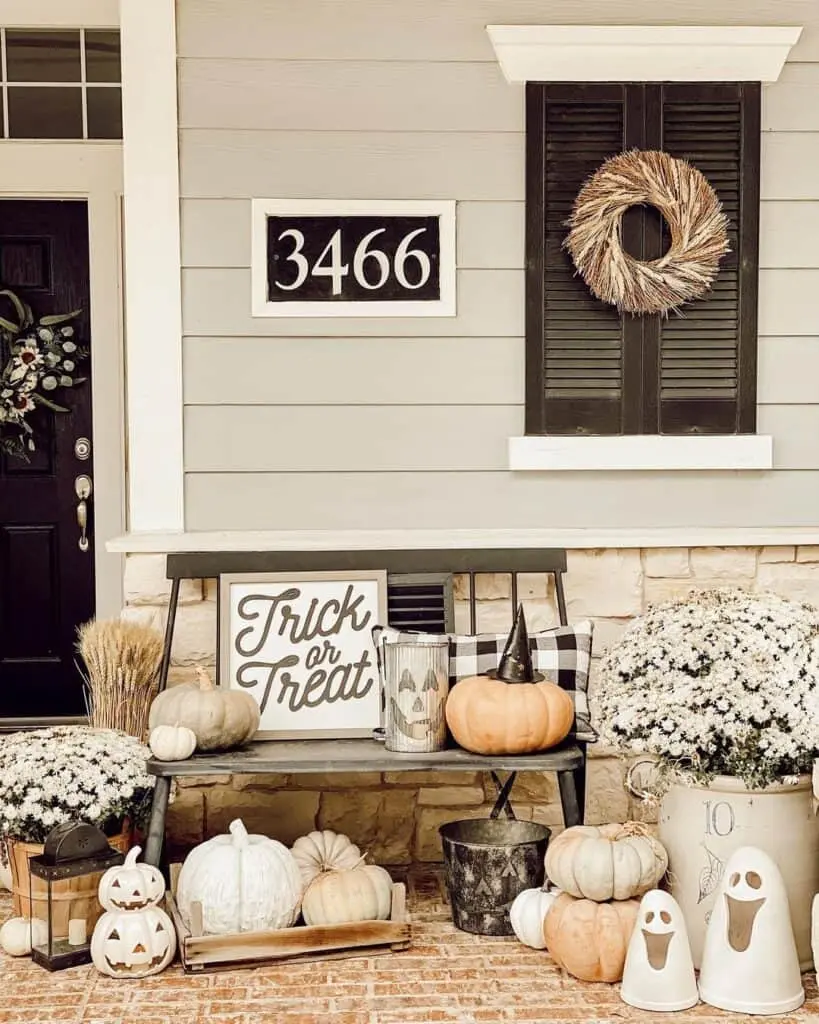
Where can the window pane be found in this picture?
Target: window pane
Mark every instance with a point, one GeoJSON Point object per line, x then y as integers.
{"type": "Point", "coordinates": [102, 56]}
{"type": "Point", "coordinates": [104, 113]}
{"type": "Point", "coordinates": [42, 56]}
{"type": "Point", "coordinates": [45, 113]}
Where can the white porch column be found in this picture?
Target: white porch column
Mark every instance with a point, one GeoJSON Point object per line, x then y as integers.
{"type": "Point", "coordinates": [153, 288]}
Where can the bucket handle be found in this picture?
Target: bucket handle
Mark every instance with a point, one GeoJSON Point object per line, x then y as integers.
{"type": "Point", "coordinates": [644, 795]}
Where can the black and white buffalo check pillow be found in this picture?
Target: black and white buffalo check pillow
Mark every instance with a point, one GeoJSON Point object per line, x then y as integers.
{"type": "Point", "coordinates": [562, 654]}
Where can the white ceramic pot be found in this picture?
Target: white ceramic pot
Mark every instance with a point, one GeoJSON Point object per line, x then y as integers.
{"type": "Point", "coordinates": [701, 827]}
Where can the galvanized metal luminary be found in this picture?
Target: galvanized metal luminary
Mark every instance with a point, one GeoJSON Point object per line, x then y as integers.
{"type": "Point", "coordinates": [416, 684]}
{"type": "Point", "coordinates": [66, 877]}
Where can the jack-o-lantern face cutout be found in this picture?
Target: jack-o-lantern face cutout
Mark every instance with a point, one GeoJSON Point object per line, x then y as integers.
{"type": "Point", "coordinates": [131, 886]}
{"type": "Point", "coordinates": [658, 931]}
{"type": "Point", "coordinates": [744, 901]}
{"type": "Point", "coordinates": [411, 709]}
{"type": "Point", "coordinates": [133, 944]}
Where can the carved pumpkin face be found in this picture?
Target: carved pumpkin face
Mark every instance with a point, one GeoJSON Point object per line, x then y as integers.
{"type": "Point", "coordinates": [418, 710]}
{"type": "Point", "coordinates": [133, 944]}
{"type": "Point", "coordinates": [131, 886]}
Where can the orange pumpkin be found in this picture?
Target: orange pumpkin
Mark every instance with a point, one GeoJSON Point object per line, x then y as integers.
{"type": "Point", "coordinates": [490, 716]}
{"type": "Point", "coordinates": [589, 939]}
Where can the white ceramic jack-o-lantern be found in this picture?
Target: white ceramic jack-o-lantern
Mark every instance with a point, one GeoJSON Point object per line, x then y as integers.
{"type": "Point", "coordinates": [131, 886]}
{"type": "Point", "coordinates": [19, 934]}
{"type": "Point", "coordinates": [527, 914]}
{"type": "Point", "coordinates": [133, 943]}
{"type": "Point", "coordinates": [659, 971]}
{"type": "Point", "coordinates": [750, 963]}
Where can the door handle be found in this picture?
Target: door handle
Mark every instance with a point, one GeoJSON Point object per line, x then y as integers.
{"type": "Point", "coordinates": [83, 488]}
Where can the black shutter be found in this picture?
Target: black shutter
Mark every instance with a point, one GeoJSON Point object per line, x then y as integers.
{"type": "Point", "coordinates": [575, 343]}
{"type": "Point", "coordinates": [707, 380]}
{"type": "Point", "coordinates": [421, 601]}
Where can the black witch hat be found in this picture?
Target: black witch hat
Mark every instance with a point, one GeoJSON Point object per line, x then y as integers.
{"type": "Point", "coordinates": [516, 661]}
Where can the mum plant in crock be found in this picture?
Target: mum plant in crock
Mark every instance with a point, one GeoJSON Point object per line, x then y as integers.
{"type": "Point", "coordinates": [720, 690]}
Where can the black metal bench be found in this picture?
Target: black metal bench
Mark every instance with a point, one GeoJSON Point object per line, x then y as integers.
{"type": "Point", "coordinates": [410, 573]}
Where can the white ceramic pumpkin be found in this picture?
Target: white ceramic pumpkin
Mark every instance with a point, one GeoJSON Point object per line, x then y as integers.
{"type": "Point", "coordinates": [172, 742]}
{"type": "Point", "coordinates": [244, 883]}
{"type": "Point", "coordinates": [357, 894]}
{"type": "Point", "coordinates": [5, 876]}
{"type": "Point", "coordinates": [221, 718]}
{"type": "Point", "coordinates": [324, 851]}
{"type": "Point", "coordinates": [606, 862]}
{"type": "Point", "coordinates": [133, 943]}
{"type": "Point", "coordinates": [527, 914]}
{"type": "Point", "coordinates": [19, 934]}
{"type": "Point", "coordinates": [131, 886]}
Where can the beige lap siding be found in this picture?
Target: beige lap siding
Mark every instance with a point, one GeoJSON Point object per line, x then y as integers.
{"type": "Point", "coordinates": [396, 816]}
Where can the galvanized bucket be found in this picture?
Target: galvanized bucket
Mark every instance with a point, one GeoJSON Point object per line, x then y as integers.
{"type": "Point", "coordinates": [488, 863]}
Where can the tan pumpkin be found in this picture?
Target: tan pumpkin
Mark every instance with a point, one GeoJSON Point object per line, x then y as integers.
{"type": "Point", "coordinates": [357, 894]}
{"type": "Point", "coordinates": [490, 716]}
{"type": "Point", "coordinates": [589, 939]}
{"type": "Point", "coordinates": [220, 718]}
{"type": "Point", "coordinates": [324, 851]}
{"type": "Point", "coordinates": [606, 862]}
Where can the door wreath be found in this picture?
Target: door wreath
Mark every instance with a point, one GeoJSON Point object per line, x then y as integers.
{"type": "Point", "coordinates": [692, 210]}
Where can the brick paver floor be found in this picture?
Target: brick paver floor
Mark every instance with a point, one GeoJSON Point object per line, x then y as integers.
{"type": "Point", "coordinates": [447, 977]}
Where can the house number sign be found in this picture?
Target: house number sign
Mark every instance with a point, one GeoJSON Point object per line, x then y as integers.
{"type": "Point", "coordinates": [357, 258]}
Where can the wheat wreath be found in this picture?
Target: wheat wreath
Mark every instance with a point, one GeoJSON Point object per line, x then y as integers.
{"type": "Point", "coordinates": [692, 210]}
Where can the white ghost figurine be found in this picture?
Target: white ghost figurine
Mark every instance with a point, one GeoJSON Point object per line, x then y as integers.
{"type": "Point", "coordinates": [750, 963]}
{"type": "Point", "coordinates": [659, 971]}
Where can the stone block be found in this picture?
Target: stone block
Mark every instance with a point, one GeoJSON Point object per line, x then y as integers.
{"type": "Point", "coordinates": [336, 780]}
{"type": "Point", "coordinates": [640, 810]}
{"type": "Point", "coordinates": [607, 633]}
{"type": "Point", "coordinates": [272, 781]}
{"type": "Point", "coordinates": [423, 778]}
{"type": "Point", "coordinates": [496, 616]}
{"type": "Point", "coordinates": [660, 563]}
{"type": "Point", "coordinates": [607, 798]}
{"type": "Point", "coordinates": [379, 822]}
{"type": "Point", "coordinates": [427, 842]}
{"type": "Point", "coordinates": [604, 582]}
{"type": "Point", "coordinates": [807, 553]}
{"type": "Point", "coordinates": [194, 638]}
{"type": "Point", "coordinates": [659, 591]}
{"type": "Point", "coordinates": [450, 796]}
{"type": "Point", "coordinates": [209, 587]}
{"type": "Point", "coordinates": [202, 781]}
{"type": "Point", "coordinates": [550, 815]}
{"type": "Point", "coordinates": [798, 581]}
{"type": "Point", "coordinates": [530, 788]}
{"type": "Point", "coordinates": [178, 674]}
{"type": "Point", "coordinates": [185, 821]}
{"type": "Point", "coordinates": [145, 582]}
{"type": "Point", "coordinates": [727, 564]}
{"type": "Point", "coordinates": [282, 815]}
{"type": "Point", "coordinates": [144, 615]}
{"type": "Point", "coordinates": [779, 553]}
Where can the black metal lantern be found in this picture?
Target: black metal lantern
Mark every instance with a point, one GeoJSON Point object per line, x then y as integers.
{"type": "Point", "coordinates": [74, 858]}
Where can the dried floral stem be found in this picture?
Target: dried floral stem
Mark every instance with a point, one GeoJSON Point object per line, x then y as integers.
{"type": "Point", "coordinates": [692, 210]}
{"type": "Point", "coordinates": [122, 661]}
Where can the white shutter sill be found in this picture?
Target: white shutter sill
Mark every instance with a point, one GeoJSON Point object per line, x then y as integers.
{"type": "Point", "coordinates": [641, 452]}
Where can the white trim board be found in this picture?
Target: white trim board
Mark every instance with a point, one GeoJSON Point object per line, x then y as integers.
{"type": "Point", "coordinates": [153, 293]}
{"type": "Point", "coordinates": [641, 452]}
{"type": "Point", "coordinates": [391, 540]}
{"type": "Point", "coordinates": [642, 53]}
{"type": "Point", "coordinates": [60, 13]}
{"type": "Point", "coordinates": [261, 209]}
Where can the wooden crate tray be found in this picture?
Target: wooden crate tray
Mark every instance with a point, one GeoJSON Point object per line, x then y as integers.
{"type": "Point", "coordinates": [300, 943]}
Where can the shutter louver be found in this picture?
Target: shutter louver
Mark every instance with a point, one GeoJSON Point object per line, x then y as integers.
{"type": "Point", "coordinates": [583, 337]}
{"type": "Point", "coordinates": [422, 602]}
{"type": "Point", "coordinates": [700, 348]}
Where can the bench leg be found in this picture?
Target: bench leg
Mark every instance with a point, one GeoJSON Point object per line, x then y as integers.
{"type": "Point", "coordinates": [156, 826]}
{"type": "Point", "coordinates": [504, 792]}
{"type": "Point", "coordinates": [570, 797]}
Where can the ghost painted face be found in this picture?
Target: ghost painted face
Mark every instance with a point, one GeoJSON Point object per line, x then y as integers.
{"type": "Point", "coordinates": [744, 899]}
{"type": "Point", "coordinates": [658, 924]}
{"type": "Point", "coordinates": [411, 709]}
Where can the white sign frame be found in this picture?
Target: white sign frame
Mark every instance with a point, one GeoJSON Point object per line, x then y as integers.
{"type": "Point", "coordinates": [445, 210]}
{"type": "Point", "coordinates": [356, 717]}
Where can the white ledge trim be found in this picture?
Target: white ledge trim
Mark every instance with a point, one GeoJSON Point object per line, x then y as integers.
{"type": "Point", "coordinates": [391, 540]}
{"type": "Point", "coordinates": [642, 53]}
{"type": "Point", "coordinates": [641, 452]}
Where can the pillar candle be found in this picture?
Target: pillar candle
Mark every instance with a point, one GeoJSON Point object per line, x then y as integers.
{"type": "Point", "coordinates": [77, 932]}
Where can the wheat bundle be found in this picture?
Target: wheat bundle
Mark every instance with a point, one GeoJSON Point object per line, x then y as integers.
{"type": "Point", "coordinates": [122, 662]}
{"type": "Point", "coordinates": [692, 210]}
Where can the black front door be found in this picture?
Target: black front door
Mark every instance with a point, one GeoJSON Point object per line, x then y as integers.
{"type": "Point", "coordinates": [46, 568]}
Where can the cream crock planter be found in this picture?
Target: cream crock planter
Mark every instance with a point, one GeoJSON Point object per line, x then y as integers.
{"type": "Point", "coordinates": [702, 826]}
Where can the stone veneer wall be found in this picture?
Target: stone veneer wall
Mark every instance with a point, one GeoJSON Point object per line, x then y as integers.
{"type": "Point", "coordinates": [396, 816]}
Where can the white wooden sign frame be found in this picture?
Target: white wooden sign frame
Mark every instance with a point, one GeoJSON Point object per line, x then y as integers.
{"type": "Point", "coordinates": [445, 210]}
{"type": "Point", "coordinates": [285, 630]}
